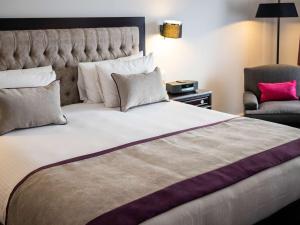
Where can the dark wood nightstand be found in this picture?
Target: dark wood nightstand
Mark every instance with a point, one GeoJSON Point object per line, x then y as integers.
{"type": "Point", "coordinates": [200, 98]}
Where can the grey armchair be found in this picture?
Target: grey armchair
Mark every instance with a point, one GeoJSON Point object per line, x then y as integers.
{"type": "Point", "coordinates": [284, 112]}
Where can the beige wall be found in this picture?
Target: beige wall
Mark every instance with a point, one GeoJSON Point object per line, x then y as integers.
{"type": "Point", "coordinates": [220, 37]}
{"type": "Point", "coordinates": [290, 35]}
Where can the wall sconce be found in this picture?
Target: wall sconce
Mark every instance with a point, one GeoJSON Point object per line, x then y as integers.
{"type": "Point", "coordinates": [171, 29]}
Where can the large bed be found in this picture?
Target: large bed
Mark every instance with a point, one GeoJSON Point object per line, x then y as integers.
{"type": "Point", "coordinates": [165, 163]}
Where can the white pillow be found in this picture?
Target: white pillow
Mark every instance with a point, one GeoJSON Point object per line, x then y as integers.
{"type": "Point", "coordinates": [88, 82]}
{"type": "Point", "coordinates": [34, 77]}
{"type": "Point", "coordinates": [106, 68]}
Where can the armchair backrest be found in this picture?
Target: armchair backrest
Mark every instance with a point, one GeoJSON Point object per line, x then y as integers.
{"type": "Point", "coordinates": [270, 74]}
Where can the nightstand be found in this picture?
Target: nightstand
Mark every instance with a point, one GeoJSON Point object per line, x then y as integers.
{"type": "Point", "coordinates": [200, 98]}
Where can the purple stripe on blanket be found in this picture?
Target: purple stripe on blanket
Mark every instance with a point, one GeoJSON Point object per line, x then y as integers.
{"type": "Point", "coordinates": [180, 193]}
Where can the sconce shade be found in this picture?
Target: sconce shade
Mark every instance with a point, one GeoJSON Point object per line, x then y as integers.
{"type": "Point", "coordinates": [171, 29]}
{"type": "Point", "coordinates": [273, 10]}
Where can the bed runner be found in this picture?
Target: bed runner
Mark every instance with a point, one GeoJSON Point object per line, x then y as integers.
{"type": "Point", "coordinates": [132, 183]}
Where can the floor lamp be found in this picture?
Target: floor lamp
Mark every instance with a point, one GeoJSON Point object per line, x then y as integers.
{"type": "Point", "coordinates": [277, 10]}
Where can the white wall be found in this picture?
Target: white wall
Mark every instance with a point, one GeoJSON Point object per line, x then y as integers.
{"type": "Point", "coordinates": [221, 37]}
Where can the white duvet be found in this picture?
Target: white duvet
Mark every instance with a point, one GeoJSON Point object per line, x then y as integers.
{"type": "Point", "coordinates": [92, 128]}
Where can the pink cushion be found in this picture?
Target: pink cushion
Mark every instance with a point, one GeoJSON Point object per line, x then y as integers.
{"type": "Point", "coordinates": [278, 91]}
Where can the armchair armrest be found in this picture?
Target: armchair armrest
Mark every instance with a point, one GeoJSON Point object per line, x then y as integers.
{"type": "Point", "coordinates": [250, 101]}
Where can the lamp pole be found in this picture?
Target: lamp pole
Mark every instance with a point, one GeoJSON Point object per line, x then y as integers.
{"type": "Point", "coordinates": [278, 38]}
{"type": "Point", "coordinates": [277, 10]}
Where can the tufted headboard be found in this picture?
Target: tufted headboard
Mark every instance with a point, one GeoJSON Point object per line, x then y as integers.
{"type": "Point", "coordinates": [64, 42]}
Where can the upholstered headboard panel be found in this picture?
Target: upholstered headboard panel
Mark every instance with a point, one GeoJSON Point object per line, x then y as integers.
{"type": "Point", "coordinates": [65, 48]}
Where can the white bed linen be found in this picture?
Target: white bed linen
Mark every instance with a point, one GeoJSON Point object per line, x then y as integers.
{"type": "Point", "coordinates": [91, 128]}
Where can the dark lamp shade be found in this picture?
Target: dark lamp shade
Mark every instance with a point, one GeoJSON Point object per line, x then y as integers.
{"type": "Point", "coordinates": [272, 10]}
{"type": "Point", "coordinates": [171, 30]}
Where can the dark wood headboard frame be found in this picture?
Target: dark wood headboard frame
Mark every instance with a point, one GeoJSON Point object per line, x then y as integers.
{"type": "Point", "coordinates": [81, 22]}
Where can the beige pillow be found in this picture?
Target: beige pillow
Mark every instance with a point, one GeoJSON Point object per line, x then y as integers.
{"type": "Point", "coordinates": [140, 89]}
{"type": "Point", "coordinates": [105, 69]}
{"type": "Point", "coordinates": [30, 107]}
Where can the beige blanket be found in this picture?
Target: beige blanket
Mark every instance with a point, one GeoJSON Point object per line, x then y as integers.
{"type": "Point", "coordinates": [96, 189]}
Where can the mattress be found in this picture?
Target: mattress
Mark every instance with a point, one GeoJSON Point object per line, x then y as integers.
{"type": "Point", "coordinates": [92, 128]}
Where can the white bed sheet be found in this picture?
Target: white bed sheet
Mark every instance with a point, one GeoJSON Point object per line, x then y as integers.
{"type": "Point", "coordinates": [91, 128]}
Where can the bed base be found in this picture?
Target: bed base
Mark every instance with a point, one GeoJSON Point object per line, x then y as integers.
{"type": "Point", "coordinates": [289, 215]}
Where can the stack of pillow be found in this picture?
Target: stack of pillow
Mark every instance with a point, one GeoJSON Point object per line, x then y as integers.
{"type": "Point", "coordinates": [29, 98]}
{"type": "Point", "coordinates": [125, 82]}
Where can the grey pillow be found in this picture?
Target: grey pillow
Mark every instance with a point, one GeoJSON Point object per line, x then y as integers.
{"type": "Point", "coordinates": [30, 107]}
{"type": "Point", "coordinates": [140, 89]}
